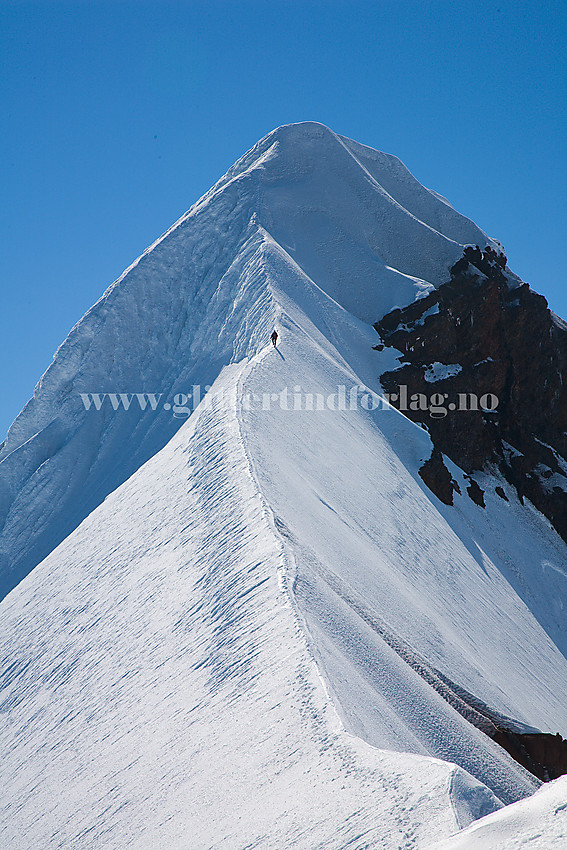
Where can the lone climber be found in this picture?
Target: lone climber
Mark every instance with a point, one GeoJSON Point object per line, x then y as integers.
{"type": "Point", "coordinates": [274, 337]}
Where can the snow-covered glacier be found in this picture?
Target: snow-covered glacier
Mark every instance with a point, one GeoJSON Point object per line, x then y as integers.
{"type": "Point", "coordinates": [240, 629]}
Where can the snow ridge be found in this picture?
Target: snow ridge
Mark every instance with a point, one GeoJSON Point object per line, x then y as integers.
{"type": "Point", "coordinates": [159, 671]}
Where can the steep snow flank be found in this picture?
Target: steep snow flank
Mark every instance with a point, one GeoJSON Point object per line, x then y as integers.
{"type": "Point", "coordinates": [186, 309]}
{"type": "Point", "coordinates": [158, 691]}
{"type": "Point", "coordinates": [539, 823]}
{"type": "Point", "coordinates": [366, 245]}
{"type": "Point", "coordinates": [384, 570]}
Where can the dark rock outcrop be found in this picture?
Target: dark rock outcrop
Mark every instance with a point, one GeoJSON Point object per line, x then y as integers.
{"type": "Point", "coordinates": [438, 478]}
{"type": "Point", "coordinates": [485, 340]}
{"type": "Point", "coordinates": [485, 336]}
{"type": "Point", "coordinates": [543, 755]}
{"type": "Point", "coordinates": [476, 493]}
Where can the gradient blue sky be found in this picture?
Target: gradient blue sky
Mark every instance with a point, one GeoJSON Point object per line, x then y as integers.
{"type": "Point", "coordinates": [118, 116]}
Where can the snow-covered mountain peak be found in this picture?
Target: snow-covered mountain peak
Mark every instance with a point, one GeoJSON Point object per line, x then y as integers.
{"type": "Point", "coordinates": [254, 595]}
{"type": "Point", "coordinates": [355, 222]}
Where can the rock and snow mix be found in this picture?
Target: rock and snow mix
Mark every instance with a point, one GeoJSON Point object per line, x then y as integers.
{"type": "Point", "coordinates": [439, 371]}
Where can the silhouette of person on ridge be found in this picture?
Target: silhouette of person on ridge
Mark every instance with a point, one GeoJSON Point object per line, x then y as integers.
{"type": "Point", "coordinates": [274, 337]}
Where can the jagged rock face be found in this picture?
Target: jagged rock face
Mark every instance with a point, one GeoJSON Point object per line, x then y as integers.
{"type": "Point", "coordinates": [486, 333]}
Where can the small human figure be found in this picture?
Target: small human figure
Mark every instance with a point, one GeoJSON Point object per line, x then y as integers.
{"type": "Point", "coordinates": [274, 337]}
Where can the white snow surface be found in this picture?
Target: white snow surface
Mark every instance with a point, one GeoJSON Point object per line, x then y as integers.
{"type": "Point", "coordinates": [539, 823]}
{"type": "Point", "coordinates": [160, 691]}
{"type": "Point", "coordinates": [238, 632]}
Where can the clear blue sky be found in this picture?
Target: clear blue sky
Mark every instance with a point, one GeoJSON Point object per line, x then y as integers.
{"type": "Point", "coordinates": [118, 116]}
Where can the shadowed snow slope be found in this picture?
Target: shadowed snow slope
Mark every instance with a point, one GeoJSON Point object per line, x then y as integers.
{"type": "Point", "coordinates": [238, 633]}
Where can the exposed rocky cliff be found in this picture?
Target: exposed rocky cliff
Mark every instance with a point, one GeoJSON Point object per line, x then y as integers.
{"type": "Point", "coordinates": [484, 361]}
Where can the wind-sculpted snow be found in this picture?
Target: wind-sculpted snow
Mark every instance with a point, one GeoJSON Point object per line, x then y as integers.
{"type": "Point", "coordinates": [147, 334]}
{"type": "Point", "coordinates": [196, 300]}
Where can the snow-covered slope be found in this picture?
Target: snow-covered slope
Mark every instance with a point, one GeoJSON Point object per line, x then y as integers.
{"type": "Point", "coordinates": [244, 631]}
